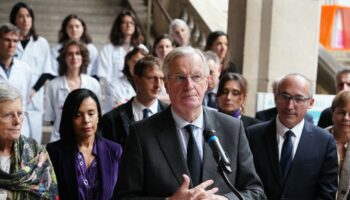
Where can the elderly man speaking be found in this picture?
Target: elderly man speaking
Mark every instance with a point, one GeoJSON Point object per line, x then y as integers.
{"type": "Point", "coordinates": [166, 156]}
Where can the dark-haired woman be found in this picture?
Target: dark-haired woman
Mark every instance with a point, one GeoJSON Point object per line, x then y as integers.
{"type": "Point", "coordinates": [35, 51]}
{"type": "Point", "coordinates": [124, 36]}
{"type": "Point", "coordinates": [231, 96]}
{"type": "Point", "coordinates": [74, 28]}
{"type": "Point", "coordinates": [73, 61]}
{"type": "Point", "coordinates": [121, 89]}
{"type": "Point", "coordinates": [162, 45]}
{"type": "Point", "coordinates": [218, 42]}
{"type": "Point", "coordinates": [86, 165]}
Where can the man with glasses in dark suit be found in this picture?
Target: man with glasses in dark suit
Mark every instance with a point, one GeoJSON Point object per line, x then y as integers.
{"type": "Point", "coordinates": [148, 79]}
{"type": "Point", "coordinates": [294, 158]}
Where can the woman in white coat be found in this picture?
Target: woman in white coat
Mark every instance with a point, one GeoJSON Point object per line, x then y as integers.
{"type": "Point", "coordinates": [124, 36]}
{"type": "Point", "coordinates": [122, 89]}
{"type": "Point", "coordinates": [73, 61]}
{"type": "Point", "coordinates": [35, 51]}
{"type": "Point", "coordinates": [74, 28]}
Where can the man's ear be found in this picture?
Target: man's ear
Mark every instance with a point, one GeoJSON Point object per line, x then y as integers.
{"type": "Point", "coordinates": [311, 103]}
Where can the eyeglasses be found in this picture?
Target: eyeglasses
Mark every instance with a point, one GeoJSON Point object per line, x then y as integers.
{"type": "Point", "coordinates": [298, 99]}
{"type": "Point", "coordinates": [154, 79]}
{"type": "Point", "coordinates": [181, 78]}
{"type": "Point", "coordinates": [13, 115]}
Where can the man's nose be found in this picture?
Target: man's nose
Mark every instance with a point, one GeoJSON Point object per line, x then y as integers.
{"type": "Point", "coordinates": [189, 82]}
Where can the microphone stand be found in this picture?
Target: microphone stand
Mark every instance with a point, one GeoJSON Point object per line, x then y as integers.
{"type": "Point", "coordinates": [224, 169]}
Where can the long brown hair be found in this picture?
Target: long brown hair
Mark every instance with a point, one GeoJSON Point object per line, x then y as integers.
{"type": "Point", "coordinates": [63, 67]}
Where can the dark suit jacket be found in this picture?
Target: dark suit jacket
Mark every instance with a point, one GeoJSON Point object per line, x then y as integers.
{"type": "Point", "coordinates": [325, 118]}
{"type": "Point", "coordinates": [271, 113]}
{"type": "Point", "coordinates": [115, 124]}
{"type": "Point", "coordinates": [314, 171]}
{"type": "Point", "coordinates": [153, 164]}
{"type": "Point", "coordinates": [63, 161]}
{"type": "Point", "coordinates": [249, 121]}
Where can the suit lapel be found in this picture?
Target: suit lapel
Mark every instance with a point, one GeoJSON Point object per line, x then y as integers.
{"type": "Point", "coordinates": [272, 149]}
{"type": "Point", "coordinates": [303, 151]}
{"type": "Point", "coordinates": [127, 116]}
{"type": "Point", "coordinates": [170, 145]}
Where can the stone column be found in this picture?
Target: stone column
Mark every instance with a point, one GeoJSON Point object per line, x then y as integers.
{"type": "Point", "coordinates": [280, 37]}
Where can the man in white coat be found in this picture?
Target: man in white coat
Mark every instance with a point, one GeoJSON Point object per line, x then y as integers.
{"type": "Point", "coordinates": [12, 70]}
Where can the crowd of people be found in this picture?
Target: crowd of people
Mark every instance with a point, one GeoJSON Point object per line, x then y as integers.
{"type": "Point", "coordinates": [149, 138]}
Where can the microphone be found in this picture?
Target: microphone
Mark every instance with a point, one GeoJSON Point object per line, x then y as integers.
{"type": "Point", "coordinates": [218, 152]}
{"type": "Point", "coordinates": [224, 166]}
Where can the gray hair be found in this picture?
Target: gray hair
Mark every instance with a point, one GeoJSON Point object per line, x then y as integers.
{"type": "Point", "coordinates": [311, 91]}
{"type": "Point", "coordinates": [274, 84]}
{"type": "Point", "coordinates": [7, 28]}
{"type": "Point", "coordinates": [183, 51]}
{"type": "Point", "coordinates": [9, 92]}
{"type": "Point", "coordinates": [180, 23]}
{"type": "Point", "coordinates": [210, 55]}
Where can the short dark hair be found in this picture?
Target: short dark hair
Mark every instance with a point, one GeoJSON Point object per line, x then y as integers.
{"type": "Point", "coordinates": [63, 35]}
{"type": "Point", "coordinates": [345, 70]}
{"type": "Point", "coordinates": [144, 63]}
{"type": "Point", "coordinates": [13, 15]}
{"type": "Point", "coordinates": [128, 56]}
{"type": "Point", "coordinates": [116, 36]}
{"type": "Point", "coordinates": [63, 67]}
{"type": "Point", "coordinates": [70, 108]}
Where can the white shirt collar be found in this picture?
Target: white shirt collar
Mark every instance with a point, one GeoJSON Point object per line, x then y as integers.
{"type": "Point", "coordinates": [297, 129]}
{"type": "Point", "coordinates": [138, 107]}
{"type": "Point", "coordinates": [183, 136]}
{"type": "Point", "coordinates": [180, 122]}
{"type": "Point", "coordinates": [281, 131]}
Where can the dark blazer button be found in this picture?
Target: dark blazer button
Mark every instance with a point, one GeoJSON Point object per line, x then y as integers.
{"type": "Point", "coordinates": [343, 192]}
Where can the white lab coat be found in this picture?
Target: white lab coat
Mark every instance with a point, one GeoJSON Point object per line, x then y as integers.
{"type": "Point", "coordinates": [37, 55]}
{"type": "Point", "coordinates": [20, 77]}
{"type": "Point", "coordinates": [57, 92]}
{"type": "Point", "coordinates": [118, 91]}
{"type": "Point", "coordinates": [110, 66]}
{"type": "Point", "coordinates": [93, 53]}
{"type": "Point", "coordinates": [111, 61]}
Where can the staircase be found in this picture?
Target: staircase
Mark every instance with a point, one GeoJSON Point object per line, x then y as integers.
{"type": "Point", "coordinates": [49, 14]}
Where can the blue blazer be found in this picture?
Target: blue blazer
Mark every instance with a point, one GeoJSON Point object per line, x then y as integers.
{"type": "Point", "coordinates": [63, 161]}
{"type": "Point", "coordinates": [314, 170]}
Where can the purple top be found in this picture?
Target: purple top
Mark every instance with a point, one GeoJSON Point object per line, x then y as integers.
{"type": "Point", "coordinates": [88, 179]}
{"type": "Point", "coordinates": [236, 113]}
